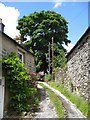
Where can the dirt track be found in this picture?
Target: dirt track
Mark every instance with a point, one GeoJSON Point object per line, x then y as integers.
{"type": "Point", "coordinates": [46, 109]}
{"type": "Point", "coordinates": [72, 110]}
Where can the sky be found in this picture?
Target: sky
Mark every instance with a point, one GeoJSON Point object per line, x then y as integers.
{"type": "Point", "coordinates": [76, 13]}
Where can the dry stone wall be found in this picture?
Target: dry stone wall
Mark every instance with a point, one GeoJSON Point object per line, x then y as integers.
{"type": "Point", "coordinates": [76, 75]}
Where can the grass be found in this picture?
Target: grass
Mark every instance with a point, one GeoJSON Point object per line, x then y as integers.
{"type": "Point", "coordinates": [81, 103]}
{"type": "Point", "coordinates": [56, 102]}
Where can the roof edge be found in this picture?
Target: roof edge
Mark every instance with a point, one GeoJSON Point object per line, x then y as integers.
{"type": "Point", "coordinates": [16, 42]}
{"type": "Point", "coordinates": [78, 42]}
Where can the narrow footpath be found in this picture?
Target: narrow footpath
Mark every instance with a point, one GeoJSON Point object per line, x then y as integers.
{"type": "Point", "coordinates": [46, 109]}
{"type": "Point", "coordinates": [72, 110]}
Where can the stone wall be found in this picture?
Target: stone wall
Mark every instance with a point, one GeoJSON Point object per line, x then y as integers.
{"type": "Point", "coordinates": [76, 74]}
{"type": "Point", "coordinates": [9, 45]}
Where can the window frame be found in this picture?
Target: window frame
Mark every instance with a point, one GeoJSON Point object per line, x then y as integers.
{"type": "Point", "coordinates": [21, 53]}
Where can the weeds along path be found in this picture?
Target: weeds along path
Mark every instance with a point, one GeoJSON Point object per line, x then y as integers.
{"type": "Point", "coordinates": [46, 109]}
{"type": "Point", "coordinates": [72, 110]}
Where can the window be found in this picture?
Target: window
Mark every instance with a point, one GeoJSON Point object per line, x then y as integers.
{"type": "Point", "coordinates": [21, 56]}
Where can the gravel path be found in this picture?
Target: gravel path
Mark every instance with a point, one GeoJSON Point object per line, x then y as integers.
{"type": "Point", "coordinates": [46, 109]}
{"type": "Point", "coordinates": [72, 111]}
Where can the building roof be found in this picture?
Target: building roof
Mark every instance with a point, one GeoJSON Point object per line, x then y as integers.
{"type": "Point", "coordinates": [16, 42]}
{"type": "Point", "coordinates": [79, 41]}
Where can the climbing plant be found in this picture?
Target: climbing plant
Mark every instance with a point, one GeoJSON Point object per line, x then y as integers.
{"type": "Point", "coordinates": [20, 85]}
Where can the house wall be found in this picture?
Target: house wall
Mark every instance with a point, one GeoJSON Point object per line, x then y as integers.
{"type": "Point", "coordinates": [8, 46]}
{"type": "Point", "coordinates": [76, 74]}
{"type": "Point", "coordinates": [0, 54]}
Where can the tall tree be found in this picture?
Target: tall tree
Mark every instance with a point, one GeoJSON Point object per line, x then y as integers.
{"type": "Point", "coordinates": [41, 26]}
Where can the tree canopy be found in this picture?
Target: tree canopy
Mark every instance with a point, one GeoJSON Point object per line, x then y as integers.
{"type": "Point", "coordinates": [40, 27]}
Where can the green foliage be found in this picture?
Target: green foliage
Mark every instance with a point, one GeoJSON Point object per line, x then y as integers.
{"type": "Point", "coordinates": [88, 109]}
{"type": "Point", "coordinates": [56, 101]}
{"type": "Point", "coordinates": [59, 59]}
{"type": "Point", "coordinates": [72, 87]}
{"type": "Point", "coordinates": [41, 26]}
{"type": "Point", "coordinates": [62, 79]}
{"type": "Point", "coordinates": [40, 76]}
{"type": "Point", "coordinates": [77, 100]}
{"type": "Point", "coordinates": [48, 77]}
{"type": "Point", "coordinates": [20, 86]}
{"type": "Point", "coordinates": [38, 66]}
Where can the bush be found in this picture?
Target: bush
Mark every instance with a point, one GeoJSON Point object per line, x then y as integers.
{"type": "Point", "coordinates": [40, 76]}
{"type": "Point", "coordinates": [48, 77]}
{"type": "Point", "coordinates": [21, 89]}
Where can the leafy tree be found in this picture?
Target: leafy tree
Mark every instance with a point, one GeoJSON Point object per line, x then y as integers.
{"type": "Point", "coordinates": [41, 26]}
{"type": "Point", "coordinates": [59, 58]}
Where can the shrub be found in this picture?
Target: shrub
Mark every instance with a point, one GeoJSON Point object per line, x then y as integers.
{"type": "Point", "coordinates": [40, 76]}
{"type": "Point", "coordinates": [48, 77]}
{"type": "Point", "coordinates": [21, 89]}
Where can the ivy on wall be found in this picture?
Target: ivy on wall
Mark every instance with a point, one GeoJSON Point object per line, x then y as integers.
{"type": "Point", "coordinates": [22, 91]}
